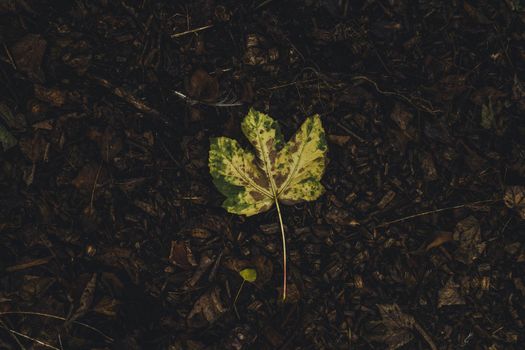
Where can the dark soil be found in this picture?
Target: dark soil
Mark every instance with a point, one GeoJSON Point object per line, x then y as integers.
{"type": "Point", "coordinates": [112, 234]}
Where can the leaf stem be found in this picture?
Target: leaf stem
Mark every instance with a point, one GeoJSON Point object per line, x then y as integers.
{"type": "Point", "coordinates": [237, 297]}
{"type": "Point", "coordinates": [283, 237]}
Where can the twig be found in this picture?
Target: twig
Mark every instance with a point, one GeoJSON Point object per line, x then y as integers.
{"type": "Point", "coordinates": [3, 325]}
{"type": "Point", "coordinates": [176, 35]}
{"type": "Point", "coordinates": [192, 101]}
{"type": "Point", "coordinates": [13, 332]}
{"type": "Point", "coordinates": [128, 97]}
{"type": "Point", "coordinates": [60, 342]}
{"type": "Point", "coordinates": [10, 57]}
{"type": "Point", "coordinates": [342, 126]}
{"type": "Point", "coordinates": [94, 187]}
{"type": "Point", "coordinates": [435, 211]}
{"type": "Point", "coordinates": [107, 337]}
{"type": "Point", "coordinates": [27, 265]}
{"type": "Point", "coordinates": [276, 87]}
{"type": "Point", "coordinates": [264, 3]}
{"type": "Point", "coordinates": [425, 336]}
{"type": "Point", "coordinates": [237, 297]}
{"type": "Point", "coordinates": [419, 106]}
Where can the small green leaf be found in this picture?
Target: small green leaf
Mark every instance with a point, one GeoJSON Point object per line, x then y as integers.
{"type": "Point", "coordinates": [249, 275]}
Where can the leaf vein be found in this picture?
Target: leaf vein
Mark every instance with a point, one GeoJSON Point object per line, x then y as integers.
{"type": "Point", "coordinates": [250, 181]}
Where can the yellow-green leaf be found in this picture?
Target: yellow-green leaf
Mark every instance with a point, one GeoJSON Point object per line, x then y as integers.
{"type": "Point", "coordinates": [249, 275]}
{"type": "Point", "coordinates": [302, 161]}
{"type": "Point", "coordinates": [289, 173]}
{"type": "Point", "coordinates": [236, 176]}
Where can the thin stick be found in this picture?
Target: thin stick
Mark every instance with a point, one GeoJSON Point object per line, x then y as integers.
{"type": "Point", "coordinates": [425, 336]}
{"type": "Point", "coordinates": [95, 185]}
{"type": "Point", "coordinates": [192, 101]}
{"type": "Point", "coordinates": [434, 211]}
{"type": "Point", "coordinates": [11, 60]}
{"type": "Point", "coordinates": [420, 105]}
{"type": "Point", "coordinates": [176, 35]}
{"type": "Point", "coordinates": [237, 297]}
{"type": "Point", "coordinates": [32, 339]}
{"type": "Point", "coordinates": [4, 326]}
{"type": "Point", "coordinates": [57, 318]}
{"type": "Point", "coordinates": [283, 237]}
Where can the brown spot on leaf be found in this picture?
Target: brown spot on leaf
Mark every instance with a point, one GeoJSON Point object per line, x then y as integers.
{"type": "Point", "coordinates": [256, 195]}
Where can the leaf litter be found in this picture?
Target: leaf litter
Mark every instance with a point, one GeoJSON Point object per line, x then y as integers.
{"type": "Point", "coordinates": [424, 132]}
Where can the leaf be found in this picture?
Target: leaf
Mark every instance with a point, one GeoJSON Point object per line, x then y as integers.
{"type": "Point", "coordinates": [86, 299]}
{"type": "Point", "coordinates": [468, 235]}
{"type": "Point", "coordinates": [12, 121]}
{"type": "Point", "coordinates": [449, 295]}
{"type": "Point", "coordinates": [207, 309]}
{"type": "Point", "coordinates": [289, 173]}
{"type": "Point", "coordinates": [249, 275]}
{"type": "Point", "coordinates": [6, 138]}
{"type": "Point", "coordinates": [397, 326]}
{"type": "Point", "coordinates": [487, 116]}
{"type": "Point", "coordinates": [515, 199]}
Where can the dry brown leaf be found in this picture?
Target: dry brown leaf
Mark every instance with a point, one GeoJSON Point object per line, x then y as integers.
{"type": "Point", "coordinates": [207, 309]}
{"type": "Point", "coordinates": [468, 234]}
{"type": "Point", "coordinates": [107, 306]}
{"type": "Point", "coordinates": [401, 116]}
{"type": "Point", "coordinates": [28, 54]}
{"type": "Point", "coordinates": [441, 238]}
{"type": "Point", "coordinates": [181, 255]}
{"type": "Point", "coordinates": [428, 166]}
{"type": "Point", "coordinates": [339, 140]}
{"type": "Point", "coordinates": [203, 86]}
{"type": "Point", "coordinates": [450, 295]}
{"type": "Point", "coordinates": [397, 326]}
{"type": "Point", "coordinates": [515, 199]}
{"type": "Point", "coordinates": [90, 176]}
{"type": "Point", "coordinates": [53, 96]}
{"type": "Point", "coordinates": [34, 149]}
{"type": "Point", "coordinates": [85, 299]}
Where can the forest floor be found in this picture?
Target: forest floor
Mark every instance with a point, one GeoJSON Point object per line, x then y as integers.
{"type": "Point", "coordinates": [112, 234]}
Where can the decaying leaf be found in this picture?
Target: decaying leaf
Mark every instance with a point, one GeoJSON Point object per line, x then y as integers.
{"type": "Point", "coordinates": [288, 173]}
{"type": "Point", "coordinates": [487, 116]}
{"type": "Point", "coordinates": [107, 306]}
{"type": "Point", "coordinates": [203, 86]}
{"type": "Point", "coordinates": [398, 326]}
{"type": "Point", "coordinates": [181, 255]}
{"type": "Point", "coordinates": [449, 295]}
{"type": "Point", "coordinates": [7, 140]}
{"type": "Point", "coordinates": [86, 299]}
{"type": "Point", "coordinates": [28, 54]}
{"type": "Point", "coordinates": [207, 309]}
{"type": "Point", "coordinates": [468, 234]}
{"type": "Point", "coordinates": [441, 238]}
{"type": "Point", "coordinates": [14, 121]}
{"type": "Point", "coordinates": [515, 199]}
